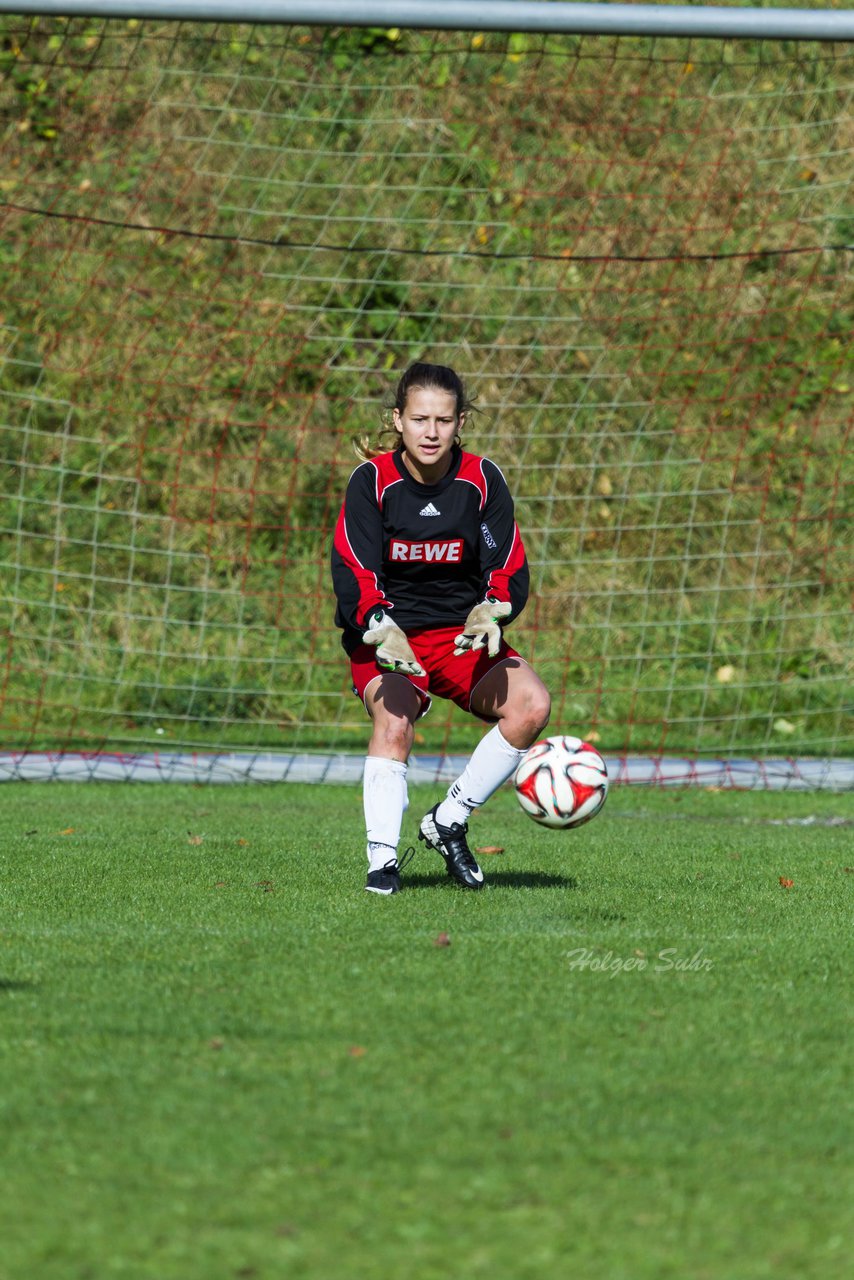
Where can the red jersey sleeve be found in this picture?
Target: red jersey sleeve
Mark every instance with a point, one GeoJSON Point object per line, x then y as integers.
{"type": "Point", "coordinates": [504, 566]}
{"type": "Point", "coordinates": [357, 551]}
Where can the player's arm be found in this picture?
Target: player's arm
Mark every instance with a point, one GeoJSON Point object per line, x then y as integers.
{"type": "Point", "coordinates": [504, 568]}
{"type": "Point", "coordinates": [357, 557]}
{"type": "Point", "coordinates": [357, 552]}
{"type": "Point", "coordinates": [504, 565]}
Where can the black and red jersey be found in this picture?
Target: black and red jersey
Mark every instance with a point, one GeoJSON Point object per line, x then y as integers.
{"type": "Point", "coordinates": [426, 553]}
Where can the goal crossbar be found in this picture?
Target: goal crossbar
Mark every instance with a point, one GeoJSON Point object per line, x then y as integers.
{"type": "Point", "coordinates": [534, 16]}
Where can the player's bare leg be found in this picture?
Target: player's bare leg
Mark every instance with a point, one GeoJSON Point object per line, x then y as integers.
{"type": "Point", "coordinates": [514, 695]}
{"type": "Point", "coordinates": [393, 705]}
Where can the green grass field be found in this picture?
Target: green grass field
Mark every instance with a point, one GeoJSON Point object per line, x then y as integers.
{"type": "Point", "coordinates": [221, 1058]}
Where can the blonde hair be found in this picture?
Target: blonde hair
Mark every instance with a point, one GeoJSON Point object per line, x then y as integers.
{"type": "Point", "coordinates": [365, 447]}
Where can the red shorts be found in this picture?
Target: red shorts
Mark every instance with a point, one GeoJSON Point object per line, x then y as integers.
{"type": "Point", "coordinates": [454, 678]}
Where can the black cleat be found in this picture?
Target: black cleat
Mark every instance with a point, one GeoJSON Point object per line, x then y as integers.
{"type": "Point", "coordinates": [387, 879]}
{"type": "Point", "coordinates": [451, 843]}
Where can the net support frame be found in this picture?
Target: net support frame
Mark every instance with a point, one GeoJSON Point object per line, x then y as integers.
{"type": "Point", "coordinates": [531, 16]}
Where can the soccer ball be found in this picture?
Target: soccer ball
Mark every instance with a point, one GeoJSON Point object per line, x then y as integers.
{"type": "Point", "coordinates": [562, 782]}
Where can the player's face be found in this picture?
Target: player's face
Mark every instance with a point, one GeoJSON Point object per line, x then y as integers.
{"type": "Point", "coordinates": [428, 427]}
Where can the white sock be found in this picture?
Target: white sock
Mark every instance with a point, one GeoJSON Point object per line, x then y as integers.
{"type": "Point", "coordinates": [492, 762]}
{"type": "Point", "coordinates": [386, 801]}
{"type": "Point", "coordinates": [380, 855]}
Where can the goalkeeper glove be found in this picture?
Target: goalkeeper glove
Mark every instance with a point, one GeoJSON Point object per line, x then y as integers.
{"type": "Point", "coordinates": [393, 649]}
{"type": "Point", "coordinates": [482, 627]}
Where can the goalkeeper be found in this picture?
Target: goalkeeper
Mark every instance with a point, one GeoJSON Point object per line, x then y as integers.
{"type": "Point", "coordinates": [428, 567]}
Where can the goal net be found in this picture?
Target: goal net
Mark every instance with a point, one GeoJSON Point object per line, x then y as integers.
{"type": "Point", "coordinates": [221, 246]}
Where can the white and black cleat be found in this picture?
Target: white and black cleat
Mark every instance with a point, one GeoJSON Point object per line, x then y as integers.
{"type": "Point", "coordinates": [386, 879]}
{"type": "Point", "coordinates": [451, 843]}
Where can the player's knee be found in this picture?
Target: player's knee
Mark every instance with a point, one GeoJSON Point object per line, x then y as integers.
{"type": "Point", "coordinates": [394, 734]}
{"type": "Point", "coordinates": [530, 713]}
{"type": "Point", "coordinates": [540, 709]}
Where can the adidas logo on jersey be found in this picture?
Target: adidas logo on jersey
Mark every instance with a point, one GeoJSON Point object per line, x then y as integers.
{"type": "Point", "coordinates": [429, 510]}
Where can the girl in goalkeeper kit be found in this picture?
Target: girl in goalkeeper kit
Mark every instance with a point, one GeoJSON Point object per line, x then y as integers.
{"type": "Point", "coordinates": [428, 566]}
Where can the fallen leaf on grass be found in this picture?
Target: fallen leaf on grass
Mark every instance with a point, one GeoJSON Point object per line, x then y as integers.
{"type": "Point", "coordinates": [242, 841]}
{"type": "Point", "coordinates": [357, 1051]}
{"type": "Point", "coordinates": [443, 940]}
{"type": "Point", "coordinates": [787, 884]}
{"type": "Point", "coordinates": [490, 848]}
{"type": "Point", "coordinates": [69, 831]}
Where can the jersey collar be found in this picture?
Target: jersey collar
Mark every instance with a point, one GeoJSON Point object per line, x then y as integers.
{"type": "Point", "coordinates": [448, 478]}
